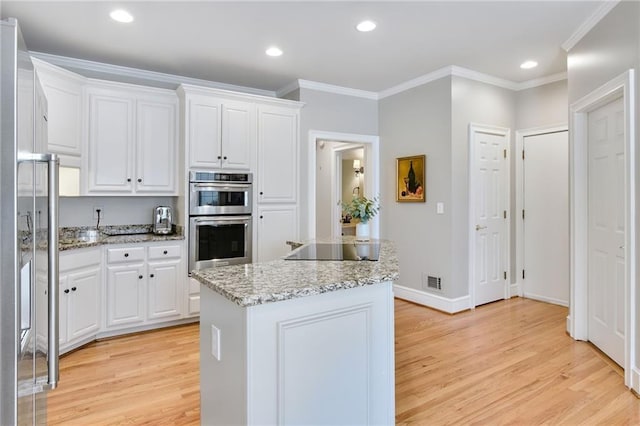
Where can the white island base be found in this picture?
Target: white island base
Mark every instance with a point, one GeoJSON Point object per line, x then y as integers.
{"type": "Point", "coordinates": [325, 359]}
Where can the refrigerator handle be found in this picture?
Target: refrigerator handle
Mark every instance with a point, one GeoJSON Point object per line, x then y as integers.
{"type": "Point", "coordinates": [53, 285]}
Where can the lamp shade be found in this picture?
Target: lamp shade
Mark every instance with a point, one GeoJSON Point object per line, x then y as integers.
{"type": "Point", "coordinates": [356, 164]}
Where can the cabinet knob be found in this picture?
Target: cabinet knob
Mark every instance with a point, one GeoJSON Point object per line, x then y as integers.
{"type": "Point", "coordinates": [74, 288]}
{"type": "Point", "coordinates": [165, 252]}
{"type": "Point", "coordinates": [140, 277]}
{"type": "Point", "coordinates": [224, 158]}
{"type": "Point", "coordinates": [151, 275]}
{"type": "Point", "coordinates": [139, 180]}
{"type": "Point", "coordinates": [66, 291]}
{"type": "Point", "coordinates": [261, 192]}
{"type": "Point", "coordinates": [126, 255]}
{"type": "Point", "coordinates": [128, 179]}
{"type": "Point", "coordinates": [219, 157]}
{"type": "Point", "coordinates": [261, 216]}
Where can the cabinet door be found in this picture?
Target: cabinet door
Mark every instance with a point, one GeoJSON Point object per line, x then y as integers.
{"type": "Point", "coordinates": [204, 133]}
{"type": "Point", "coordinates": [156, 155]}
{"type": "Point", "coordinates": [238, 134]}
{"type": "Point", "coordinates": [110, 143]}
{"type": "Point", "coordinates": [64, 95]}
{"type": "Point", "coordinates": [63, 303]}
{"type": "Point", "coordinates": [164, 289]}
{"type": "Point", "coordinates": [125, 294]}
{"type": "Point", "coordinates": [276, 226]}
{"type": "Point", "coordinates": [84, 306]}
{"type": "Point", "coordinates": [277, 155]}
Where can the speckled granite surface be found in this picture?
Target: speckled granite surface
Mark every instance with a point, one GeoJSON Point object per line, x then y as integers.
{"type": "Point", "coordinates": [258, 283]}
{"type": "Point", "coordinates": [113, 234]}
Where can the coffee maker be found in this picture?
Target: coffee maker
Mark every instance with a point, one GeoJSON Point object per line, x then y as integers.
{"type": "Point", "coordinates": [162, 220]}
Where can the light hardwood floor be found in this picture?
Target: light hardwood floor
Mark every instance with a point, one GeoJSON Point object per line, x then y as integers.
{"type": "Point", "coordinates": [508, 362]}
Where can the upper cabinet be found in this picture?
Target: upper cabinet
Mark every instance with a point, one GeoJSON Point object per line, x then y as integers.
{"type": "Point", "coordinates": [277, 154]}
{"type": "Point", "coordinates": [63, 90]}
{"type": "Point", "coordinates": [132, 140]}
{"type": "Point", "coordinates": [219, 133]}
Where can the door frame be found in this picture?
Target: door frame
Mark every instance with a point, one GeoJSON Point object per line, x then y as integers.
{"type": "Point", "coordinates": [518, 287]}
{"type": "Point", "coordinates": [506, 133]}
{"type": "Point", "coordinates": [372, 180]}
{"type": "Point", "coordinates": [577, 322]}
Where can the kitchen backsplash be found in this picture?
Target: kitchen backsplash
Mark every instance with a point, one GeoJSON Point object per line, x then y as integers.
{"type": "Point", "coordinates": [79, 211]}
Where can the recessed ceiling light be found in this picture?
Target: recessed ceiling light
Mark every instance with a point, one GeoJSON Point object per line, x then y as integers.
{"type": "Point", "coordinates": [121, 15]}
{"type": "Point", "coordinates": [528, 65]}
{"type": "Point", "coordinates": [366, 26]}
{"type": "Point", "coordinates": [273, 51]}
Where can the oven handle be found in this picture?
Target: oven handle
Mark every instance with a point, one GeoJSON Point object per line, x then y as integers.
{"type": "Point", "coordinates": [221, 187]}
{"type": "Point", "coordinates": [227, 219]}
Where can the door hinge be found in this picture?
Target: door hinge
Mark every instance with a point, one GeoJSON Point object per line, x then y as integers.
{"type": "Point", "coordinates": [504, 214]}
{"type": "Point", "coordinates": [523, 274]}
{"type": "Point", "coordinates": [505, 274]}
{"type": "Point", "coordinates": [523, 154]}
{"type": "Point", "coordinates": [522, 214]}
{"type": "Point", "coordinates": [504, 152]}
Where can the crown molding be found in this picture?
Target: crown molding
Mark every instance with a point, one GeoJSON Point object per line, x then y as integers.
{"type": "Point", "coordinates": [530, 84]}
{"type": "Point", "coordinates": [129, 75]}
{"type": "Point", "coordinates": [589, 23]}
{"type": "Point", "coordinates": [419, 81]}
{"type": "Point", "coordinates": [324, 87]}
{"type": "Point", "coordinates": [483, 78]}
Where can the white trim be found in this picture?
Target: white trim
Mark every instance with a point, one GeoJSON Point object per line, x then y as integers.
{"type": "Point", "coordinates": [324, 87]}
{"type": "Point", "coordinates": [506, 133]}
{"type": "Point", "coordinates": [546, 299]}
{"type": "Point", "coordinates": [588, 25]}
{"type": "Point", "coordinates": [621, 86]}
{"type": "Point", "coordinates": [536, 82]}
{"type": "Point", "coordinates": [230, 95]}
{"type": "Point", "coordinates": [419, 81]}
{"type": "Point", "coordinates": [430, 300]}
{"type": "Point", "coordinates": [519, 190]}
{"type": "Point", "coordinates": [285, 90]}
{"type": "Point", "coordinates": [336, 159]}
{"type": "Point", "coordinates": [635, 379]}
{"type": "Point", "coordinates": [372, 183]}
{"type": "Point", "coordinates": [514, 290]}
{"type": "Point", "coordinates": [168, 81]}
{"type": "Point", "coordinates": [483, 78]}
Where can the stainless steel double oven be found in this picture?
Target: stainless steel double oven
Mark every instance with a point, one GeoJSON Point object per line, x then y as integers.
{"type": "Point", "coordinates": [220, 228]}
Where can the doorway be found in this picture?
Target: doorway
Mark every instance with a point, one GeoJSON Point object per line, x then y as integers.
{"type": "Point", "coordinates": [542, 214]}
{"type": "Point", "coordinates": [370, 178]}
{"type": "Point", "coordinates": [603, 250]}
{"type": "Point", "coordinates": [488, 213]}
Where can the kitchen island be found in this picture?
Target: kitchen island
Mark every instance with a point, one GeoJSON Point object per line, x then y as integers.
{"type": "Point", "coordinates": [298, 341]}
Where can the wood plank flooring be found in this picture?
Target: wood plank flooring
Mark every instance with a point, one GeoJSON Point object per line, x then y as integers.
{"type": "Point", "coordinates": [508, 362]}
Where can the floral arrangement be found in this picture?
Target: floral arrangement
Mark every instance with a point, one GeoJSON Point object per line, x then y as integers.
{"type": "Point", "coordinates": [362, 208]}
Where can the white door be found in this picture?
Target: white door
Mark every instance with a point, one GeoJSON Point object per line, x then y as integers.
{"type": "Point", "coordinates": [238, 132]}
{"type": "Point", "coordinates": [489, 197]}
{"type": "Point", "coordinates": [606, 213]}
{"type": "Point", "coordinates": [545, 274]}
{"type": "Point", "coordinates": [163, 289]}
{"type": "Point", "coordinates": [204, 130]}
{"type": "Point", "coordinates": [125, 294]}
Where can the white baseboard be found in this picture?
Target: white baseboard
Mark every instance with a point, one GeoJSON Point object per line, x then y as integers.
{"type": "Point", "coordinates": [138, 329]}
{"type": "Point", "coordinates": [546, 299]}
{"type": "Point", "coordinates": [569, 325]}
{"type": "Point", "coordinates": [514, 290]}
{"type": "Point", "coordinates": [635, 380]}
{"type": "Point", "coordinates": [431, 300]}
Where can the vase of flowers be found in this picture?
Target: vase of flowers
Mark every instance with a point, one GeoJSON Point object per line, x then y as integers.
{"type": "Point", "coordinates": [364, 209]}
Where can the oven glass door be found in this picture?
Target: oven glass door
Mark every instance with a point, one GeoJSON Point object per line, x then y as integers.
{"type": "Point", "coordinates": [218, 241]}
{"type": "Point", "coordinates": [210, 199]}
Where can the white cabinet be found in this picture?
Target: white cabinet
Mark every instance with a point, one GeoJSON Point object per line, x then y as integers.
{"type": "Point", "coordinates": [219, 133]}
{"type": "Point", "coordinates": [144, 284]}
{"type": "Point", "coordinates": [277, 155]}
{"type": "Point", "coordinates": [132, 136]}
{"type": "Point", "coordinates": [79, 296]}
{"type": "Point", "coordinates": [276, 226]}
{"type": "Point", "coordinates": [193, 297]}
{"type": "Point", "coordinates": [63, 90]}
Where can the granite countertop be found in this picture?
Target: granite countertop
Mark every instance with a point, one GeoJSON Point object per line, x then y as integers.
{"type": "Point", "coordinates": [114, 234]}
{"type": "Point", "coordinates": [259, 283]}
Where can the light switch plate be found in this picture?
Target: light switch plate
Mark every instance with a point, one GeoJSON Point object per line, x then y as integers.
{"type": "Point", "coordinates": [215, 342]}
{"type": "Point", "coordinates": [440, 208]}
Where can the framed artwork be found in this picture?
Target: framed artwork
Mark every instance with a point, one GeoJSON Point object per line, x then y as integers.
{"type": "Point", "coordinates": [410, 183]}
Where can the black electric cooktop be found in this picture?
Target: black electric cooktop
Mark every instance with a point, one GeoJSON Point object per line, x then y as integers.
{"type": "Point", "coordinates": [337, 251]}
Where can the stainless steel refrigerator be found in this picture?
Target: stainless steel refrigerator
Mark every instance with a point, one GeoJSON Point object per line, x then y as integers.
{"type": "Point", "coordinates": [28, 239]}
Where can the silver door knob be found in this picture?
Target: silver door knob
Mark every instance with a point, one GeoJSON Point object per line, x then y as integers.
{"type": "Point", "coordinates": [479, 227]}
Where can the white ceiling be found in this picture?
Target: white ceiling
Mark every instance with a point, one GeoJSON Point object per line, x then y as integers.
{"type": "Point", "coordinates": [225, 41]}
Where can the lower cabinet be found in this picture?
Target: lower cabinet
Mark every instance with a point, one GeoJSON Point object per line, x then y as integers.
{"type": "Point", "coordinates": [193, 298]}
{"type": "Point", "coordinates": [144, 284]}
{"type": "Point", "coordinates": [79, 296]}
{"type": "Point", "coordinates": [277, 224]}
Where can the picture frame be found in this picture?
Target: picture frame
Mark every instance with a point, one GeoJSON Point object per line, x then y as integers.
{"type": "Point", "coordinates": [411, 186]}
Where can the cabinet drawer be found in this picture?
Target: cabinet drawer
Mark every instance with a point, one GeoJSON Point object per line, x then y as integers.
{"type": "Point", "coordinates": [81, 258]}
{"type": "Point", "coordinates": [164, 252]}
{"type": "Point", "coordinates": [194, 286]}
{"type": "Point", "coordinates": [120, 255]}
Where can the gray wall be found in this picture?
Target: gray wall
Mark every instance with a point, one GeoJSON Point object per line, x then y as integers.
{"type": "Point", "coordinates": [479, 103]}
{"type": "Point", "coordinates": [330, 113]}
{"type": "Point", "coordinates": [542, 106]}
{"type": "Point", "coordinates": [78, 211]}
{"type": "Point", "coordinates": [418, 121]}
{"type": "Point", "coordinates": [609, 49]}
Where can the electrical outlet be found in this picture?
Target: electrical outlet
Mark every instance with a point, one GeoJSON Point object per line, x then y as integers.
{"type": "Point", "coordinates": [95, 212]}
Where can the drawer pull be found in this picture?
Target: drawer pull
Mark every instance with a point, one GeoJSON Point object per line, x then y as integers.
{"type": "Point", "coordinates": [140, 277]}
{"type": "Point", "coordinates": [151, 275]}
{"type": "Point", "coordinates": [126, 255]}
{"type": "Point", "coordinates": [66, 291]}
{"type": "Point", "coordinates": [165, 252]}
